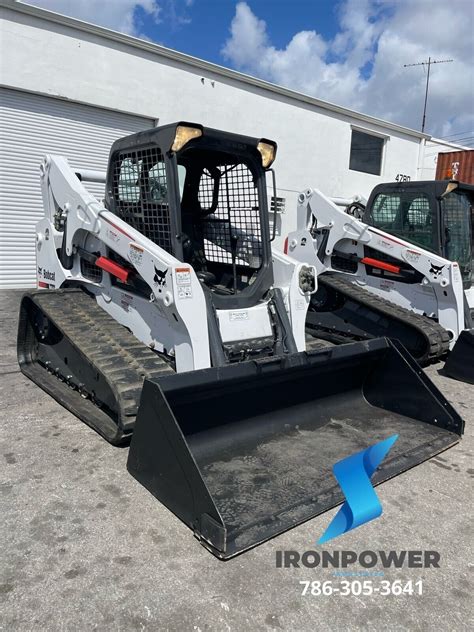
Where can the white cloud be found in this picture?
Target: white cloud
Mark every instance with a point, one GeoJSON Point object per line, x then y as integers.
{"type": "Point", "coordinates": [362, 66]}
{"type": "Point", "coordinates": [118, 15]}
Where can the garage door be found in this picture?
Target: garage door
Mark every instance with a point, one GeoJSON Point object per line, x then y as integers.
{"type": "Point", "coordinates": [30, 127]}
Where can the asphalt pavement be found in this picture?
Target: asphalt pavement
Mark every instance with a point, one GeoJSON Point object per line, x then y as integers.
{"type": "Point", "coordinates": [83, 546]}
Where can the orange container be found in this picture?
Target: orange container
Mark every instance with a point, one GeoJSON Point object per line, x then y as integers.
{"type": "Point", "coordinates": [456, 165]}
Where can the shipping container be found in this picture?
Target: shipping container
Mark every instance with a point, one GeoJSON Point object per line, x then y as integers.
{"type": "Point", "coordinates": [456, 165]}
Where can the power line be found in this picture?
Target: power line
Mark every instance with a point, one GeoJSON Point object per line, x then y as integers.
{"type": "Point", "coordinates": [468, 131]}
{"type": "Point", "coordinates": [458, 140]}
{"type": "Point", "coordinates": [427, 63]}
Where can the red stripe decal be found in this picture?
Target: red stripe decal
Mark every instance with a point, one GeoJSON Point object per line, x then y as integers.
{"type": "Point", "coordinates": [113, 268]}
{"type": "Point", "coordinates": [285, 247]}
{"type": "Point", "coordinates": [121, 230]}
{"type": "Point", "coordinates": [382, 265]}
{"type": "Point", "coordinates": [385, 236]}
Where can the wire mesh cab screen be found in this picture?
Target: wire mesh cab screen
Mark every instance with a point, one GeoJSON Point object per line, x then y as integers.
{"type": "Point", "coordinates": [457, 210]}
{"type": "Point", "coordinates": [223, 217]}
{"type": "Point", "coordinates": [233, 227]}
{"type": "Point", "coordinates": [141, 194]}
{"type": "Point", "coordinates": [407, 215]}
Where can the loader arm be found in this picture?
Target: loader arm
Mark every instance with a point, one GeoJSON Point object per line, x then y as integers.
{"type": "Point", "coordinates": [422, 281]}
{"type": "Point", "coordinates": [179, 322]}
{"type": "Point", "coordinates": [289, 275]}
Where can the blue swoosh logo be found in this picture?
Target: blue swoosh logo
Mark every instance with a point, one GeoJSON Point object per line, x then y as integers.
{"type": "Point", "coordinates": [353, 475]}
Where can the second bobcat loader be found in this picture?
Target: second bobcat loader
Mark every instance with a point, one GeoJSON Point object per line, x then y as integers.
{"type": "Point", "coordinates": [399, 266]}
{"type": "Point", "coordinates": [163, 313]}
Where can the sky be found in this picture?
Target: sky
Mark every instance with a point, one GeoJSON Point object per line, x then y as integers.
{"type": "Point", "coordinates": [348, 52]}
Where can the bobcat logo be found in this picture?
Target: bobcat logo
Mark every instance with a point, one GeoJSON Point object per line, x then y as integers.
{"type": "Point", "coordinates": [435, 270]}
{"type": "Point", "coordinates": [160, 278]}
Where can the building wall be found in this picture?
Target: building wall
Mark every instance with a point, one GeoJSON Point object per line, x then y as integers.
{"type": "Point", "coordinates": [314, 142]}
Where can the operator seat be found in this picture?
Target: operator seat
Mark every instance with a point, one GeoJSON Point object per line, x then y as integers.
{"type": "Point", "coordinates": [193, 253]}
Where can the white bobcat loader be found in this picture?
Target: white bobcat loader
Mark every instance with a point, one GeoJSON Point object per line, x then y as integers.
{"type": "Point", "coordinates": [387, 271]}
{"type": "Point", "coordinates": [163, 312]}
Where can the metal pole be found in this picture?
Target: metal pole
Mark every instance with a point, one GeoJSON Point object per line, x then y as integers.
{"type": "Point", "coordinates": [426, 95]}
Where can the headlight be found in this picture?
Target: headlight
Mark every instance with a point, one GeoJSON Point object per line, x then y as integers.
{"type": "Point", "coordinates": [268, 152]}
{"type": "Point", "coordinates": [184, 135]}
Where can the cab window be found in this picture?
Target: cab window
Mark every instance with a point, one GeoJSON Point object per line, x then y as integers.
{"type": "Point", "coordinates": [456, 208]}
{"type": "Point", "coordinates": [406, 214]}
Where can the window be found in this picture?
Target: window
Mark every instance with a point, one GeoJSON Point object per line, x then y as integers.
{"type": "Point", "coordinates": [407, 215]}
{"type": "Point", "coordinates": [157, 187]}
{"type": "Point", "coordinates": [128, 187]}
{"type": "Point", "coordinates": [366, 153]}
{"type": "Point", "coordinates": [385, 210]}
{"type": "Point", "coordinates": [181, 179]}
{"type": "Point", "coordinates": [418, 224]}
{"type": "Point", "coordinates": [419, 215]}
{"type": "Point", "coordinates": [229, 195]}
{"type": "Point", "coordinates": [456, 210]}
{"type": "Point", "coordinates": [141, 194]}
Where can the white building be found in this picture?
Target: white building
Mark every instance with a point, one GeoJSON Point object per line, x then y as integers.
{"type": "Point", "coordinates": [71, 88]}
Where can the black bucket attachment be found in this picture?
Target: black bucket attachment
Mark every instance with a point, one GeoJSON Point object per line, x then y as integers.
{"type": "Point", "coordinates": [244, 452]}
{"type": "Point", "coordinates": [460, 362]}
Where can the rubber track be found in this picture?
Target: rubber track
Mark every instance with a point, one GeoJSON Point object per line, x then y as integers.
{"type": "Point", "coordinates": [437, 337]}
{"type": "Point", "coordinates": [121, 358]}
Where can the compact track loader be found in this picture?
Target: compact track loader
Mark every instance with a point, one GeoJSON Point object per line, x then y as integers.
{"type": "Point", "coordinates": [399, 266]}
{"type": "Point", "coordinates": [166, 314]}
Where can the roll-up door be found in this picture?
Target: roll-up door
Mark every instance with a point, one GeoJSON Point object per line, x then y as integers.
{"type": "Point", "coordinates": [31, 126]}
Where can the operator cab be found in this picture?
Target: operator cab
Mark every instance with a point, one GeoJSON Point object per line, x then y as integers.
{"type": "Point", "coordinates": [436, 215]}
{"type": "Point", "coordinates": [200, 194]}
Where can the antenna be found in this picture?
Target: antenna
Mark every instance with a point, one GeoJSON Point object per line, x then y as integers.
{"type": "Point", "coordinates": [427, 63]}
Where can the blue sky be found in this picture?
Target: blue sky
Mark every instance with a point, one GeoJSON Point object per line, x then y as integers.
{"type": "Point", "coordinates": [201, 28]}
{"type": "Point", "coordinates": [349, 52]}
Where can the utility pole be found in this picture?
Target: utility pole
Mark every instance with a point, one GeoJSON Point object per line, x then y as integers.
{"type": "Point", "coordinates": [427, 63]}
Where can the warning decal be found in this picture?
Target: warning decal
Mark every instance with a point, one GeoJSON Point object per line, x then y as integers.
{"type": "Point", "coordinates": [135, 254]}
{"type": "Point", "coordinates": [183, 281]}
